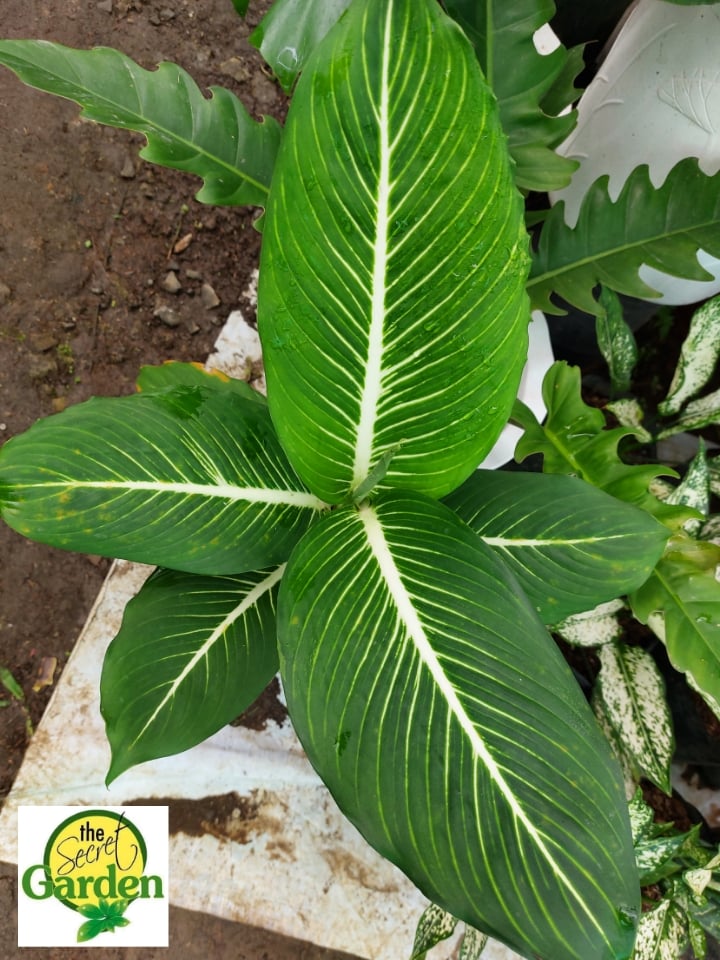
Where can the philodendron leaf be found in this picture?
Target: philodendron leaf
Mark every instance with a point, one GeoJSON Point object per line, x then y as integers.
{"type": "Point", "coordinates": [192, 653]}
{"type": "Point", "coordinates": [157, 379]}
{"type": "Point", "coordinates": [574, 440]}
{"type": "Point", "coordinates": [502, 33]}
{"type": "Point", "coordinates": [681, 603]}
{"type": "Point", "coordinates": [366, 302]}
{"type": "Point", "coordinates": [698, 357]}
{"type": "Point", "coordinates": [191, 478]}
{"type": "Point", "coordinates": [612, 240]}
{"type": "Point", "coordinates": [632, 691]}
{"type": "Point", "coordinates": [444, 720]}
{"type": "Point", "coordinates": [215, 139]}
{"type": "Point", "coordinates": [546, 530]}
{"type": "Point", "coordinates": [290, 32]}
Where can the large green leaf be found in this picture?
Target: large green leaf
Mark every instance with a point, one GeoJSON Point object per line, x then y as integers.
{"type": "Point", "coordinates": [663, 228]}
{"type": "Point", "coordinates": [502, 32]}
{"type": "Point", "coordinates": [215, 139]}
{"type": "Point", "coordinates": [154, 379]}
{"type": "Point", "coordinates": [291, 31]}
{"type": "Point", "coordinates": [192, 478]}
{"type": "Point", "coordinates": [547, 530]}
{"type": "Point", "coordinates": [448, 727]}
{"type": "Point", "coordinates": [379, 331]}
{"type": "Point", "coordinates": [192, 653]}
{"type": "Point", "coordinates": [681, 602]}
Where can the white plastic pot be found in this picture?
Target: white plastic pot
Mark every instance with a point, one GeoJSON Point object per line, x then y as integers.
{"type": "Point", "coordinates": [655, 101]}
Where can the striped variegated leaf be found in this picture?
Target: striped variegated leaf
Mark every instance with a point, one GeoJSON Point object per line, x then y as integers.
{"type": "Point", "coordinates": [192, 653]}
{"type": "Point", "coordinates": [380, 329]}
{"type": "Point", "coordinates": [546, 529]}
{"type": "Point", "coordinates": [444, 720]}
{"type": "Point", "coordinates": [191, 478]}
{"type": "Point", "coordinates": [215, 138]}
{"type": "Point", "coordinates": [633, 693]}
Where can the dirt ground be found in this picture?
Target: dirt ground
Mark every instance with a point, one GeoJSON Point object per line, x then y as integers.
{"type": "Point", "coordinates": [87, 241]}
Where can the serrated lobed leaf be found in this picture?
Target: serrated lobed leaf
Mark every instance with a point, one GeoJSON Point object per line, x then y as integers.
{"type": "Point", "coordinates": [574, 440]}
{"type": "Point", "coordinates": [663, 228]}
{"type": "Point", "coordinates": [291, 30]}
{"type": "Point", "coordinates": [502, 33]}
{"type": "Point", "coordinates": [546, 530]}
{"type": "Point", "coordinates": [192, 653]}
{"type": "Point", "coordinates": [215, 138]}
{"type": "Point", "coordinates": [632, 691]}
{"type": "Point", "coordinates": [191, 478]}
{"type": "Point", "coordinates": [443, 719]}
{"type": "Point", "coordinates": [392, 151]}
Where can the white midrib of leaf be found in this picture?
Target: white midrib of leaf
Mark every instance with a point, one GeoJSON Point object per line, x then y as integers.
{"type": "Point", "coordinates": [372, 386]}
{"type": "Point", "coordinates": [220, 491]}
{"type": "Point", "coordinates": [247, 603]}
{"type": "Point", "coordinates": [510, 542]}
{"type": "Point", "coordinates": [416, 632]}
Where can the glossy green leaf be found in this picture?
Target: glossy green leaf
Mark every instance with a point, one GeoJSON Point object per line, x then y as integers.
{"type": "Point", "coordinates": [91, 929]}
{"type": "Point", "coordinates": [366, 302]}
{"type": "Point", "coordinates": [681, 602]}
{"type": "Point", "coordinates": [612, 240]}
{"type": "Point", "coordinates": [546, 530]}
{"type": "Point", "coordinates": [434, 926]}
{"type": "Point", "coordinates": [290, 32]}
{"type": "Point", "coordinates": [174, 374]}
{"type": "Point", "coordinates": [633, 694]}
{"type": "Point", "coordinates": [574, 440]}
{"type": "Point", "coordinates": [698, 358]}
{"type": "Point", "coordinates": [192, 478]}
{"type": "Point", "coordinates": [502, 33]}
{"type": "Point", "coordinates": [192, 653]}
{"type": "Point", "coordinates": [215, 138]}
{"type": "Point", "coordinates": [616, 341]}
{"type": "Point", "coordinates": [445, 722]}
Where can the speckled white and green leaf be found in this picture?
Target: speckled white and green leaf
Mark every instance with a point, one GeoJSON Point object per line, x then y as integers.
{"type": "Point", "coordinates": [698, 357]}
{"type": "Point", "coordinates": [473, 944]}
{"type": "Point", "coordinates": [629, 413]}
{"type": "Point", "coordinates": [653, 854]}
{"type": "Point", "coordinates": [641, 816]}
{"type": "Point", "coordinates": [662, 933]}
{"type": "Point", "coordinates": [437, 709]}
{"type": "Point", "coordinates": [697, 414]}
{"type": "Point", "coordinates": [633, 692]}
{"type": "Point", "coordinates": [392, 153]}
{"type": "Point", "coordinates": [434, 926]}
{"type": "Point", "coordinates": [694, 490]}
{"type": "Point", "coordinates": [615, 340]}
{"type": "Point", "coordinates": [714, 468]}
{"type": "Point", "coordinates": [592, 628]}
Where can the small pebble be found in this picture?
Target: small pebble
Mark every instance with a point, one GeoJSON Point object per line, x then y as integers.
{"type": "Point", "coordinates": [171, 283]}
{"type": "Point", "coordinates": [193, 275]}
{"type": "Point", "coordinates": [105, 6]}
{"type": "Point", "coordinates": [167, 316]}
{"type": "Point", "coordinates": [208, 297]}
{"type": "Point", "coordinates": [128, 169]}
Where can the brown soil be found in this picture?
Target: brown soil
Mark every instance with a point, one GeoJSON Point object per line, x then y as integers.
{"type": "Point", "coordinates": [87, 237]}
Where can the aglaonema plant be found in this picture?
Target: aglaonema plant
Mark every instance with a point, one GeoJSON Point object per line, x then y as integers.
{"type": "Point", "coordinates": [340, 530]}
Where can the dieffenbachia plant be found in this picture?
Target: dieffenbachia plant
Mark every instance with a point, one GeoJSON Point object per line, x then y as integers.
{"type": "Point", "coordinates": [340, 531]}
